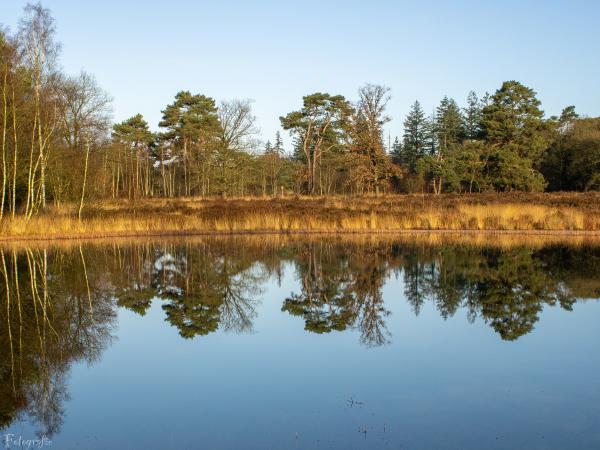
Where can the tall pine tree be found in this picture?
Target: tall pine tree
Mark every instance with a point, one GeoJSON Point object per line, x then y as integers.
{"type": "Point", "coordinates": [518, 135]}
{"type": "Point", "coordinates": [472, 118]}
{"type": "Point", "coordinates": [449, 127]}
{"type": "Point", "coordinates": [414, 142]}
{"type": "Point", "coordinates": [278, 146]}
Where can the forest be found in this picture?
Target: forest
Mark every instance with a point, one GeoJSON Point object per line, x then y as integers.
{"type": "Point", "coordinates": [60, 149]}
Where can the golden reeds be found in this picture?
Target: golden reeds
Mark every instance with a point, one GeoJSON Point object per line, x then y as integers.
{"type": "Point", "coordinates": [572, 213]}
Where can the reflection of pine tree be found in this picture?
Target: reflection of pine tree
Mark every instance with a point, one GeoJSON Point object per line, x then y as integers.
{"type": "Point", "coordinates": [207, 290]}
{"type": "Point", "coordinates": [512, 291]}
{"type": "Point", "coordinates": [341, 290]}
{"type": "Point", "coordinates": [449, 283]}
{"type": "Point", "coordinates": [506, 288]}
{"type": "Point", "coordinates": [414, 279]}
{"type": "Point", "coordinates": [134, 288]}
{"type": "Point", "coordinates": [192, 317]}
{"type": "Point", "coordinates": [136, 300]}
{"type": "Point", "coordinates": [203, 288]}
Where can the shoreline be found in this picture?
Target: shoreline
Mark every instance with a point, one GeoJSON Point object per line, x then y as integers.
{"type": "Point", "coordinates": [296, 233]}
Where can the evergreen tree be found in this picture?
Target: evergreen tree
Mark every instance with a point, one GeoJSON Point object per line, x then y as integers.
{"type": "Point", "coordinates": [133, 131]}
{"type": "Point", "coordinates": [449, 127]}
{"type": "Point", "coordinates": [584, 145]}
{"type": "Point", "coordinates": [396, 151]}
{"type": "Point", "coordinates": [135, 142]}
{"type": "Point", "coordinates": [573, 160]}
{"type": "Point", "coordinates": [415, 142]}
{"type": "Point", "coordinates": [516, 131]}
{"type": "Point", "coordinates": [268, 148]}
{"type": "Point", "coordinates": [431, 148]}
{"type": "Point", "coordinates": [319, 129]}
{"type": "Point", "coordinates": [472, 118]}
{"type": "Point", "coordinates": [278, 146]}
{"type": "Point", "coordinates": [558, 157]}
{"type": "Point", "coordinates": [193, 127]}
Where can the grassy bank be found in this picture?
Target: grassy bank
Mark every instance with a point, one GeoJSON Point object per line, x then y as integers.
{"type": "Point", "coordinates": [273, 241]}
{"type": "Point", "coordinates": [519, 212]}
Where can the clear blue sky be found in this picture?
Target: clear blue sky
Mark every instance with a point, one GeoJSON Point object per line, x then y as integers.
{"type": "Point", "coordinates": [275, 52]}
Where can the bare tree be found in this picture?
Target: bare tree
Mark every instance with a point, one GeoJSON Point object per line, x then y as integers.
{"type": "Point", "coordinates": [238, 125]}
{"type": "Point", "coordinates": [36, 37]}
{"type": "Point", "coordinates": [86, 110]}
{"type": "Point", "coordinates": [373, 99]}
{"type": "Point", "coordinates": [40, 50]}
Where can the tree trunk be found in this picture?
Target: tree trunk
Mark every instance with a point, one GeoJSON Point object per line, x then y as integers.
{"type": "Point", "coordinates": [14, 181]}
{"type": "Point", "coordinates": [4, 125]}
{"type": "Point", "coordinates": [87, 155]}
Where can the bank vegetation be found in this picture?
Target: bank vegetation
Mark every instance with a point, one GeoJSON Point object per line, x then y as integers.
{"type": "Point", "coordinates": [523, 212]}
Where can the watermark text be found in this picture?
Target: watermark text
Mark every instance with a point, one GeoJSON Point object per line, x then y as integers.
{"type": "Point", "coordinates": [16, 441]}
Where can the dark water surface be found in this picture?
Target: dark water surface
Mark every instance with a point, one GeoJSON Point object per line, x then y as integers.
{"type": "Point", "coordinates": [290, 344]}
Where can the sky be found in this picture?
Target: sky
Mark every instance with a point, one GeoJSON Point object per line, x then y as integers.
{"type": "Point", "coordinates": [275, 52]}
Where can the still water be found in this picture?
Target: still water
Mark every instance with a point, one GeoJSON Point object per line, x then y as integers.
{"type": "Point", "coordinates": [257, 343]}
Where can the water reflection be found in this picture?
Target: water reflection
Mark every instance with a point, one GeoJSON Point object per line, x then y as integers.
{"type": "Point", "coordinates": [55, 312]}
{"type": "Point", "coordinates": [341, 289]}
{"type": "Point", "coordinates": [59, 305]}
{"type": "Point", "coordinates": [201, 287]}
{"type": "Point", "coordinates": [507, 288]}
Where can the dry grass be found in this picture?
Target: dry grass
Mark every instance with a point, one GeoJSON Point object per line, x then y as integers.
{"type": "Point", "coordinates": [573, 213]}
{"type": "Point", "coordinates": [273, 241]}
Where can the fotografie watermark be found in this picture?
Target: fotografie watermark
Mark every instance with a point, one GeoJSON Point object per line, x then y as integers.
{"type": "Point", "coordinates": [17, 441]}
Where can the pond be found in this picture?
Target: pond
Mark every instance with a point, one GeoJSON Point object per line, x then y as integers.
{"type": "Point", "coordinates": [300, 343]}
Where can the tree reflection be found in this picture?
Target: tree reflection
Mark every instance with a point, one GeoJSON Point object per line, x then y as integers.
{"type": "Point", "coordinates": [340, 290]}
{"type": "Point", "coordinates": [507, 288]}
{"type": "Point", "coordinates": [59, 306]}
{"type": "Point", "coordinates": [203, 288]}
{"type": "Point", "coordinates": [340, 286]}
{"type": "Point", "coordinates": [50, 319]}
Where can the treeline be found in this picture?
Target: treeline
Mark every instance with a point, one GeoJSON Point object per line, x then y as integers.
{"type": "Point", "coordinates": [500, 143]}
{"type": "Point", "coordinates": [59, 146]}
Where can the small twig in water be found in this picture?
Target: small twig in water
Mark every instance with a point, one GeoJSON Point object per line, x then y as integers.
{"type": "Point", "coordinates": [363, 431]}
{"type": "Point", "coordinates": [354, 402]}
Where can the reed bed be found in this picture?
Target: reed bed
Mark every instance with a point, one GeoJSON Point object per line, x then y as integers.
{"type": "Point", "coordinates": [364, 241]}
{"type": "Point", "coordinates": [517, 212]}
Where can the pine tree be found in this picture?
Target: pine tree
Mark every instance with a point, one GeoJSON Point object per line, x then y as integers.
{"type": "Point", "coordinates": [278, 146]}
{"type": "Point", "coordinates": [318, 130]}
{"type": "Point", "coordinates": [515, 129]}
{"type": "Point", "coordinates": [472, 117]}
{"type": "Point", "coordinates": [415, 142]}
{"type": "Point", "coordinates": [431, 136]}
{"type": "Point", "coordinates": [558, 158]}
{"type": "Point", "coordinates": [268, 148]}
{"type": "Point", "coordinates": [396, 151]}
{"type": "Point", "coordinates": [449, 127]}
{"type": "Point", "coordinates": [135, 140]}
{"type": "Point", "coordinates": [445, 132]}
{"type": "Point", "coordinates": [192, 124]}
{"type": "Point", "coordinates": [514, 118]}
